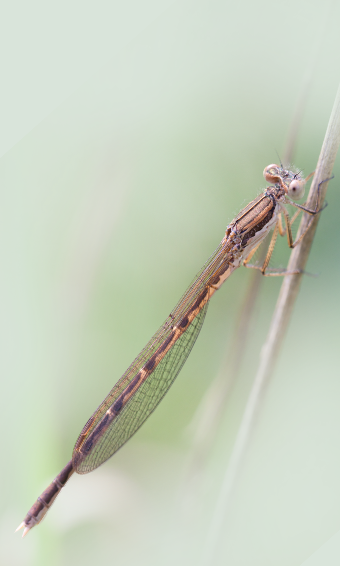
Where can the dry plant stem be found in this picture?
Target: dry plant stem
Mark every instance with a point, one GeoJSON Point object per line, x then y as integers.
{"type": "Point", "coordinates": [278, 327]}
{"type": "Point", "coordinates": [207, 419]}
{"type": "Point", "coordinates": [299, 256]}
{"type": "Point", "coordinates": [307, 79]}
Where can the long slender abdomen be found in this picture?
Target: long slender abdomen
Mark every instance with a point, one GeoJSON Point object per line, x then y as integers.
{"type": "Point", "coordinates": [44, 502]}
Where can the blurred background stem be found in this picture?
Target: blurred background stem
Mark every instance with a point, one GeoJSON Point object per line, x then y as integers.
{"type": "Point", "coordinates": [278, 328]}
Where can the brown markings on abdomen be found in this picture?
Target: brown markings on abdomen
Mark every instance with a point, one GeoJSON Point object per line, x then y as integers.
{"type": "Point", "coordinates": [84, 448]}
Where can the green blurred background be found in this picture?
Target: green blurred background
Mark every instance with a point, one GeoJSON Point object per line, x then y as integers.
{"type": "Point", "coordinates": [131, 135]}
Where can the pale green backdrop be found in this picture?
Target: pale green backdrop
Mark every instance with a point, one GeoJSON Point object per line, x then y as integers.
{"type": "Point", "coordinates": [132, 133]}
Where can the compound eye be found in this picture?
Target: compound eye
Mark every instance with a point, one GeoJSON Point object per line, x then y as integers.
{"type": "Point", "coordinates": [296, 189]}
{"type": "Point", "coordinates": [271, 174]}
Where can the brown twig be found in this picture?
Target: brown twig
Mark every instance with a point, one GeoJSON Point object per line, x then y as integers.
{"type": "Point", "coordinates": [278, 327]}
{"type": "Point", "coordinates": [208, 416]}
{"type": "Point", "coordinates": [299, 256]}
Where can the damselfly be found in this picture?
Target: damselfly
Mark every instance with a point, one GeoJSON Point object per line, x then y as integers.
{"type": "Point", "coordinates": [146, 381]}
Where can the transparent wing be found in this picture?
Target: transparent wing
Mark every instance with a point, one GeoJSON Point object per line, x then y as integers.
{"type": "Point", "coordinates": [215, 264]}
{"type": "Point", "coordinates": [145, 400]}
